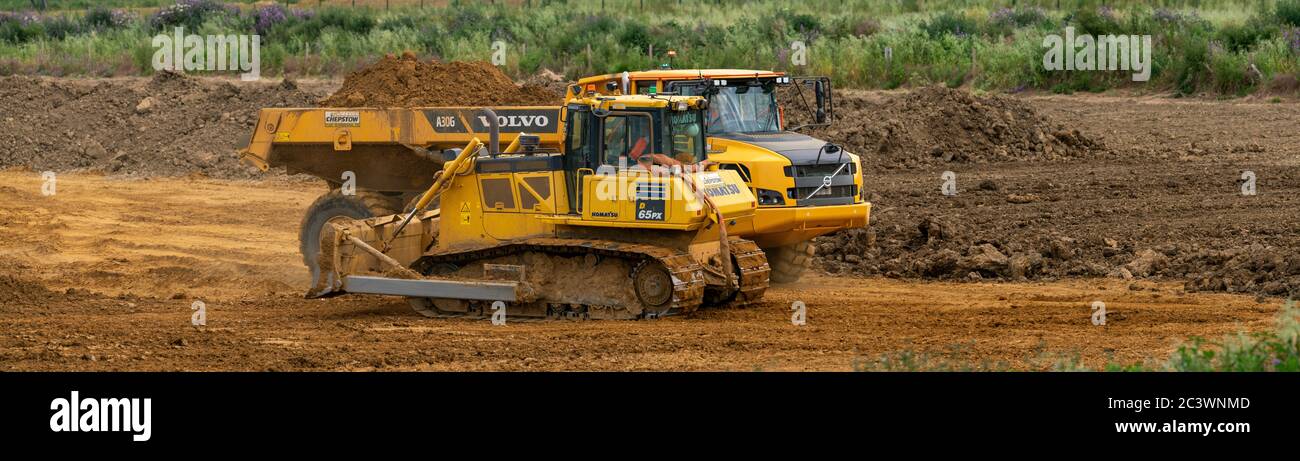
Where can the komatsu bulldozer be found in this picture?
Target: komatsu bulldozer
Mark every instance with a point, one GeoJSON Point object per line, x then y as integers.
{"type": "Point", "coordinates": [619, 214]}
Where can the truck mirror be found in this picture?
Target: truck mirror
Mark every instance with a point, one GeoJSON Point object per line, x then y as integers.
{"type": "Point", "coordinates": [819, 89]}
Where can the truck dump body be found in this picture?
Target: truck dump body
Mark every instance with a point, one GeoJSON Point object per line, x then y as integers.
{"type": "Point", "coordinates": [393, 149]}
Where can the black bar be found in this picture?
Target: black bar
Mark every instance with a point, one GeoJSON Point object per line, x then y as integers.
{"type": "Point", "coordinates": [410, 409]}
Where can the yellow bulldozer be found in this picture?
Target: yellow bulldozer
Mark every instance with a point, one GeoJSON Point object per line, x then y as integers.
{"type": "Point", "coordinates": [606, 208]}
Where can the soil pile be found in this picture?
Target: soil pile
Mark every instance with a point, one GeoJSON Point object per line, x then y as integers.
{"type": "Point", "coordinates": [945, 249]}
{"type": "Point", "coordinates": [1140, 219]}
{"type": "Point", "coordinates": [170, 124]}
{"type": "Point", "coordinates": [938, 125]}
{"type": "Point", "coordinates": [16, 292]}
{"type": "Point", "coordinates": [407, 82]}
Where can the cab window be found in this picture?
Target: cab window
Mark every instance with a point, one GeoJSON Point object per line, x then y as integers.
{"type": "Point", "coordinates": [686, 136]}
{"type": "Point", "coordinates": [646, 86]}
{"type": "Point", "coordinates": [626, 135]}
{"type": "Point", "coordinates": [577, 123]}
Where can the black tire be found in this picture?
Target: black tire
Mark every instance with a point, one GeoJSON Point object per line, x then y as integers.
{"type": "Point", "coordinates": [433, 204]}
{"type": "Point", "coordinates": [790, 262]}
{"type": "Point", "coordinates": [380, 204]}
{"type": "Point", "coordinates": [330, 206]}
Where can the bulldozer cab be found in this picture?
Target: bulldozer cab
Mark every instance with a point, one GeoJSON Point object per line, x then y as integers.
{"type": "Point", "coordinates": [614, 137]}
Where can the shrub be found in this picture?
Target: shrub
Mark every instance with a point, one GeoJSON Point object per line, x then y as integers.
{"type": "Point", "coordinates": [1018, 16]}
{"type": "Point", "coordinates": [806, 25]}
{"type": "Point", "coordinates": [1005, 21]}
{"type": "Point", "coordinates": [346, 20]}
{"type": "Point", "coordinates": [98, 18]}
{"type": "Point", "coordinates": [1231, 71]}
{"type": "Point", "coordinates": [1098, 21]}
{"type": "Point", "coordinates": [1191, 68]}
{"type": "Point", "coordinates": [431, 39]}
{"type": "Point", "coordinates": [1288, 12]}
{"type": "Point", "coordinates": [1242, 37]}
{"type": "Point", "coordinates": [1277, 350]}
{"type": "Point", "coordinates": [844, 26]}
{"type": "Point", "coordinates": [949, 23]}
{"type": "Point", "coordinates": [20, 27]}
{"type": "Point", "coordinates": [404, 21]}
{"type": "Point", "coordinates": [635, 35]}
{"type": "Point", "coordinates": [60, 27]}
{"type": "Point", "coordinates": [267, 17]}
{"type": "Point", "coordinates": [189, 14]}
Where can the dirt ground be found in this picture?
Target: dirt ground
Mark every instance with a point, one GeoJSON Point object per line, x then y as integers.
{"type": "Point", "coordinates": [103, 276]}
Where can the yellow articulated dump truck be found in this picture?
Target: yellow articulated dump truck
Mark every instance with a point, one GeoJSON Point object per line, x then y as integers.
{"type": "Point", "coordinates": [606, 208]}
{"type": "Point", "coordinates": [805, 187]}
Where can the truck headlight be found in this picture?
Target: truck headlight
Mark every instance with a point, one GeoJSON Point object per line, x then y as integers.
{"type": "Point", "coordinates": [770, 197]}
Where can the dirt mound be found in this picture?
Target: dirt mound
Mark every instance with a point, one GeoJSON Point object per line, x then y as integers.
{"type": "Point", "coordinates": [1183, 220]}
{"type": "Point", "coordinates": [15, 291]}
{"type": "Point", "coordinates": [170, 124]}
{"type": "Point", "coordinates": [937, 125]}
{"type": "Point", "coordinates": [407, 82]}
{"type": "Point", "coordinates": [946, 249]}
{"type": "Point", "coordinates": [1254, 269]}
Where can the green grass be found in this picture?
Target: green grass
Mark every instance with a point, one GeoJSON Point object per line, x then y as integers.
{"type": "Point", "coordinates": [1276, 350]}
{"type": "Point", "coordinates": [63, 5]}
{"type": "Point", "coordinates": [1200, 46]}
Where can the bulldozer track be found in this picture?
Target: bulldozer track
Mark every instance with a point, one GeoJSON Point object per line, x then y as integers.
{"type": "Point", "coordinates": [687, 278]}
{"type": "Point", "coordinates": [751, 261]}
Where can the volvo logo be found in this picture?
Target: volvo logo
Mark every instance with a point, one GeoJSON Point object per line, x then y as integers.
{"type": "Point", "coordinates": [826, 181]}
{"type": "Point", "coordinates": [514, 121]}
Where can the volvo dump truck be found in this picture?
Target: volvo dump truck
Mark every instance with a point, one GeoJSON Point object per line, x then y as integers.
{"type": "Point", "coordinates": [612, 210]}
{"type": "Point", "coordinates": [805, 187]}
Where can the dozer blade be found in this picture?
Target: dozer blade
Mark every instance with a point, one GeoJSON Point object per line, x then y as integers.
{"type": "Point", "coordinates": [432, 288]}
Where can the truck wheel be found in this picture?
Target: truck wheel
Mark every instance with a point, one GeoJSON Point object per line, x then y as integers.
{"type": "Point", "coordinates": [789, 262]}
{"type": "Point", "coordinates": [333, 206]}
{"type": "Point", "coordinates": [380, 204]}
